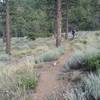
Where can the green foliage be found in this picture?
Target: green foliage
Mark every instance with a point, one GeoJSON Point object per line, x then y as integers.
{"type": "Point", "coordinates": [80, 60]}
{"type": "Point", "coordinates": [92, 62]}
{"type": "Point", "coordinates": [26, 78]}
{"type": "Point", "coordinates": [50, 55]}
{"type": "Point", "coordinates": [28, 83]}
{"type": "Point", "coordinates": [33, 35]}
{"type": "Point", "coordinates": [83, 15]}
{"type": "Point", "coordinates": [83, 41]}
{"type": "Point", "coordinates": [76, 61]}
{"type": "Point", "coordinates": [29, 17]}
{"type": "Point", "coordinates": [39, 16]}
{"type": "Point", "coordinates": [17, 80]}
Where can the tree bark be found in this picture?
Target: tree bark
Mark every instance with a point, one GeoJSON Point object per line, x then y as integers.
{"type": "Point", "coordinates": [58, 22]}
{"type": "Point", "coordinates": [2, 14]}
{"type": "Point", "coordinates": [4, 32]}
{"type": "Point", "coordinates": [4, 37]}
{"type": "Point", "coordinates": [8, 36]}
{"type": "Point", "coordinates": [66, 35]}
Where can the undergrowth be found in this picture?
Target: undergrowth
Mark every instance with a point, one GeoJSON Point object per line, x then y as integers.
{"type": "Point", "coordinates": [89, 60]}
{"type": "Point", "coordinates": [50, 55]}
{"type": "Point", "coordinates": [92, 85]}
{"type": "Point", "coordinates": [17, 80]}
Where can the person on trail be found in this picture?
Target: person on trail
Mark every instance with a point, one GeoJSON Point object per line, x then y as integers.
{"type": "Point", "coordinates": [73, 33]}
{"type": "Point", "coordinates": [72, 30]}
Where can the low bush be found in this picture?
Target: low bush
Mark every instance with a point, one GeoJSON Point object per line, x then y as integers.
{"type": "Point", "coordinates": [26, 78]}
{"type": "Point", "coordinates": [83, 41]}
{"type": "Point", "coordinates": [84, 60]}
{"type": "Point", "coordinates": [50, 55]}
{"type": "Point", "coordinates": [75, 61]}
{"type": "Point", "coordinates": [92, 62]}
{"type": "Point", "coordinates": [33, 35]}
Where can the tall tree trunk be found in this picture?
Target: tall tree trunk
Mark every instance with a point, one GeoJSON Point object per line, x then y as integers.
{"type": "Point", "coordinates": [8, 36]}
{"type": "Point", "coordinates": [4, 32]}
{"type": "Point", "coordinates": [4, 37]}
{"type": "Point", "coordinates": [58, 22]}
{"type": "Point", "coordinates": [2, 14]}
{"type": "Point", "coordinates": [66, 35]}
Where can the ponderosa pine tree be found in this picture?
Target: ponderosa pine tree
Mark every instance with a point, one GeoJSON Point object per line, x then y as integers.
{"type": "Point", "coordinates": [8, 35]}
{"type": "Point", "coordinates": [58, 22]}
{"type": "Point", "coordinates": [2, 16]}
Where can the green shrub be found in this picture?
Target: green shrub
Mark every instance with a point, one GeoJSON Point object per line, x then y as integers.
{"type": "Point", "coordinates": [92, 59]}
{"type": "Point", "coordinates": [28, 83]}
{"type": "Point", "coordinates": [33, 35]}
{"type": "Point", "coordinates": [50, 55]}
{"type": "Point", "coordinates": [92, 62]}
{"type": "Point", "coordinates": [75, 61]}
{"type": "Point", "coordinates": [84, 60]}
{"type": "Point", "coordinates": [84, 41]}
{"type": "Point", "coordinates": [26, 79]}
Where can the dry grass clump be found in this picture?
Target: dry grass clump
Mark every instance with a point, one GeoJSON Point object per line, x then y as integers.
{"type": "Point", "coordinates": [75, 94]}
{"type": "Point", "coordinates": [17, 81]}
{"type": "Point", "coordinates": [72, 93]}
{"type": "Point", "coordinates": [21, 46]}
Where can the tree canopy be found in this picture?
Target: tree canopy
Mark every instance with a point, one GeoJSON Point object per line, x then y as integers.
{"type": "Point", "coordinates": [38, 16]}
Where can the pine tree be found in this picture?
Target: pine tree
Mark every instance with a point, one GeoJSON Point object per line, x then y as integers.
{"type": "Point", "coordinates": [58, 22]}
{"type": "Point", "coordinates": [8, 35]}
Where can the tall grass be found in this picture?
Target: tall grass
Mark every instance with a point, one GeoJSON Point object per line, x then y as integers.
{"type": "Point", "coordinates": [93, 85]}
{"type": "Point", "coordinates": [75, 94]}
{"type": "Point", "coordinates": [17, 80]}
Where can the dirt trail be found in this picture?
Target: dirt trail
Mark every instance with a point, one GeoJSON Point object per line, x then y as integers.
{"type": "Point", "coordinates": [49, 78]}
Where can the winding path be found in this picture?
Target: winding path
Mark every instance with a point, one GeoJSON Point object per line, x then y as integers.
{"type": "Point", "coordinates": [48, 81]}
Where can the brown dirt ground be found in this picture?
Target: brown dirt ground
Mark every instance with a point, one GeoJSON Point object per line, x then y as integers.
{"type": "Point", "coordinates": [48, 81]}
